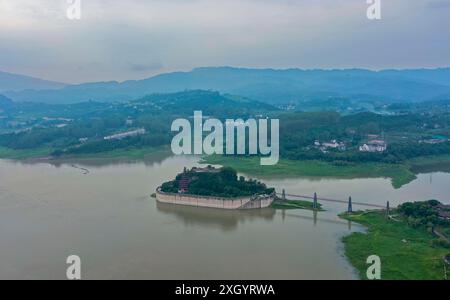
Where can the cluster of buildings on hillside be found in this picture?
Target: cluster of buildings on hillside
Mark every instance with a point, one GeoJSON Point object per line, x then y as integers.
{"type": "Point", "coordinates": [374, 145]}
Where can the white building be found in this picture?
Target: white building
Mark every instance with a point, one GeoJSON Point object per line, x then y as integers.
{"type": "Point", "coordinates": [123, 135]}
{"type": "Point", "coordinates": [374, 146]}
{"type": "Point", "coordinates": [333, 144]}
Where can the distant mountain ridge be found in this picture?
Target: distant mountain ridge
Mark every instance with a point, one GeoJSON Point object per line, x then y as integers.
{"type": "Point", "coordinates": [267, 85]}
{"type": "Point", "coordinates": [14, 82]}
{"type": "Point", "coordinates": [5, 102]}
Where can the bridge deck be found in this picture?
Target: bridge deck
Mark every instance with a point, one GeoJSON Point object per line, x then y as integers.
{"type": "Point", "coordinates": [334, 200]}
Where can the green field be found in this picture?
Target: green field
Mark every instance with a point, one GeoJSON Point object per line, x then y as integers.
{"type": "Point", "coordinates": [119, 154]}
{"type": "Point", "coordinates": [399, 173]}
{"type": "Point", "coordinates": [131, 153]}
{"type": "Point", "coordinates": [405, 252]}
{"type": "Point", "coordinates": [7, 153]}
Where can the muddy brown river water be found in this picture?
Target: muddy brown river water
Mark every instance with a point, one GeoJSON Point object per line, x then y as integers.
{"type": "Point", "coordinates": [107, 217]}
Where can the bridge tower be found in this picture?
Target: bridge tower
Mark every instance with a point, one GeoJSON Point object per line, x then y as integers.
{"type": "Point", "coordinates": [350, 207]}
{"type": "Point", "coordinates": [283, 195]}
{"type": "Point", "coordinates": [387, 209]}
{"type": "Point", "coordinates": [315, 201]}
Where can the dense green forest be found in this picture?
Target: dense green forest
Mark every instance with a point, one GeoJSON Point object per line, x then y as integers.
{"type": "Point", "coordinates": [81, 128]}
{"type": "Point", "coordinates": [424, 213]}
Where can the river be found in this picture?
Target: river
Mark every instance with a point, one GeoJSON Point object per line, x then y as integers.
{"type": "Point", "coordinates": [102, 211]}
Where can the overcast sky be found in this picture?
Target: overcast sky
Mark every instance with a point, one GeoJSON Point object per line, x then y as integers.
{"type": "Point", "coordinates": [132, 39]}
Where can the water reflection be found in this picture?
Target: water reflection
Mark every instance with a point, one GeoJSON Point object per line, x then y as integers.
{"type": "Point", "coordinates": [229, 220]}
{"type": "Point", "coordinates": [323, 219]}
{"type": "Point", "coordinates": [154, 159]}
{"type": "Point", "coordinates": [225, 220]}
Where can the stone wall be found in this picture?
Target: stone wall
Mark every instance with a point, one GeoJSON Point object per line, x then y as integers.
{"type": "Point", "coordinates": [213, 202]}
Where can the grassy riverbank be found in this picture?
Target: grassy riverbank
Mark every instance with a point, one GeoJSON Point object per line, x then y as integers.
{"type": "Point", "coordinates": [119, 154]}
{"type": "Point", "coordinates": [7, 153]}
{"type": "Point", "coordinates": [131, 153]}
{"type": "Point", "coordinates": [405, 252]}
{"type": "Point", "coordinates": [400, 174]}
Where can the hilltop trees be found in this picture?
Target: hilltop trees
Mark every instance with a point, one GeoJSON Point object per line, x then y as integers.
{"type": "Point", "coordinates": [218, 183]}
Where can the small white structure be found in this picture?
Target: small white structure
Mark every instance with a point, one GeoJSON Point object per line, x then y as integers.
{"type": "Point", "coordinates": [374, 146]}
{"type": "Point", "coordinates": [333, 144]}
{"type": "Point", "coordinates": [123, 135]}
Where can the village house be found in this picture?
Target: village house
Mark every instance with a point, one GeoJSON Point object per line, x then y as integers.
{"type": "Point", "coordinates": [129, 122]}
{"type": "Point", "coordinates": [374, 146]}
{"type": "Point", "coordinates": [333, 144]}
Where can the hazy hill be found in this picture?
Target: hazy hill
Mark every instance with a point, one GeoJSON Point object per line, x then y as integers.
{"type": "Point", "coordinates": [14, 82]}
{"type": "Point", "coordinates": [5, 102]}
{"type": "Point", "coordinates": [268, 85]}
{"type": "Point", "coordinates": [172, 105]}
{"type": "Point", "coordinates": [210, 103]}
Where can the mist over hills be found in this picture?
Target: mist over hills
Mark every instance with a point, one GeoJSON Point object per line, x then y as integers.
{"type": "Point", "coordinates": [5, 102]}
{"type": "Point", "coordinates": [14, 82]}
{"type": "Point", "coordinates": [267, 85]}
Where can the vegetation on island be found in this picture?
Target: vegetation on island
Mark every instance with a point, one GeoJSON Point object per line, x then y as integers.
{"type": "Point", "coordinates": [406, 242]}
{"type": "Point", "coordinates": [222, 182]}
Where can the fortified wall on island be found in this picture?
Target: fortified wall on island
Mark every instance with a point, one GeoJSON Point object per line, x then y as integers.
{"type": "Point", "coordinates": [251, 202]}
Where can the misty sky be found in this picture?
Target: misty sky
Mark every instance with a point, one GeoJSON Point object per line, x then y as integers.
{"type": "Point", "coordinates": [132, 39]}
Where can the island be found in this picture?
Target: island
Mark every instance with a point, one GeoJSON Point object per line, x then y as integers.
{"type": "Point", "coordinates": [215, 188]}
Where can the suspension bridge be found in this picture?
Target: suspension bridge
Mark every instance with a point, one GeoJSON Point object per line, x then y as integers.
{"type": "Point", "coordinates": [282, 196]}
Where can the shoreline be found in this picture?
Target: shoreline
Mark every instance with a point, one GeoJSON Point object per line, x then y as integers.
{"type": "Point", "coordinates": [406, 253]}
{"type": "Point", "coordinates": [399, 174]}
{"type": "Point", "coordinates": [342, 246]}
{"type": "Point", "coordinates": [44, 155]}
